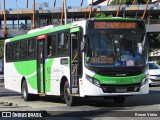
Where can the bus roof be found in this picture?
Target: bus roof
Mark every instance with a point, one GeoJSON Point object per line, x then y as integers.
{"type": "Point", "coordinates": [116, 18]}
{"type": "Point", "coordinates": [42, 31]}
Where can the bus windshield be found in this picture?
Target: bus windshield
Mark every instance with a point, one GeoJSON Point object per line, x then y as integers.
{"type": "Point", "coordinates": [115, 50]}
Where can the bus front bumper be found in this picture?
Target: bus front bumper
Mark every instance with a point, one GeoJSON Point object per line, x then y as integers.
{"type": "Point", "coordinates": [93, 90]}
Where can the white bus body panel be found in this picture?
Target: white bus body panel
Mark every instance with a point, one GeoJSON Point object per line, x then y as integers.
{"type": "Point", "coordinates": [13, 79]}
{"type": "Point", "coordinates": [57, 72]}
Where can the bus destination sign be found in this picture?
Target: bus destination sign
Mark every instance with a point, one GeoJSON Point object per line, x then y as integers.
{"type": "Point", "coordinates": [114, 25]}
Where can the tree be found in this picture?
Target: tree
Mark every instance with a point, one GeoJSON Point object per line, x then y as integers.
{"type": "Point", "coordinates": [127, 2]}
{"type": "Point", "coordinates": [101, 15]}
{"type": "Point", "coordinates": [154, 41]}
{"type": "Point", "coordinates": [1, 48]}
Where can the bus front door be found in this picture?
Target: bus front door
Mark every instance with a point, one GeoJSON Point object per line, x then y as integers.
{"type": "Point", "coordinates": [41, 65]}
{"type": "Point", "coordinates": [75, 62]}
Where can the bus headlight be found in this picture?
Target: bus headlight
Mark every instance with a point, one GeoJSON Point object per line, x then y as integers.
{"type": "Point", "coordinates": [96, 82]}
{"type": "Point", "coordinates": [92, 80]}
{"type": "Point", "coordinates": [89, 78]}
{"type": "Point", "coordinates": [144, 81]}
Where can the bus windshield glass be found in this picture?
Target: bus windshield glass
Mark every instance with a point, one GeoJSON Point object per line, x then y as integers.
{"type": "Point", "coordinates": [115, 50]}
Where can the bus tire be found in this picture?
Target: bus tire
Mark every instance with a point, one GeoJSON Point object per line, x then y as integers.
{"type": "Point", "coordinates": [62, 91]}
{"type": "Point", "coordinates": [25, 95]}
{"type": "Point", "coordinates": [119, 99]}
{"type": "Point", "coordinates": [69, 100]}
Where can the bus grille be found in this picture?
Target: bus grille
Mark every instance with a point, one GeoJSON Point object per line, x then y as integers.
{"type": "Point", "coordinates": [120, 89]}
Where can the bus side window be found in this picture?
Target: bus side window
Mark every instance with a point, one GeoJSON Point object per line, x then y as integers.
{"type": "Point", "coordinates": [16, 51]}
{"type": "Point", "coordinates": [53, 43]}
{"type": "Point", "coordinates": [63, 43]}
{"type": "Point", "coordinates": [23, 49]}
{"type": "Point", "coordinates": [74, 44]}
{"type": "Point", "coordinates": [66, 43]}
{"type": "Point", "coordinates": [51, 46]}
{"type": "Point", "coordinates": [9, 54]}
{"type": "Point", "coordinates": [31, 48]}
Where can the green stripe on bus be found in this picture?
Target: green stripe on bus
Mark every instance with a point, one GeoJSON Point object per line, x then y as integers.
{"type": "Point", "coordinates": [26, 68]}
{"type": "Point", "coordinates": [48, 71]}
{"type": "Point", "coordinates": [120, 80]}
{"type": "Point", "coordinates": [74, 29]}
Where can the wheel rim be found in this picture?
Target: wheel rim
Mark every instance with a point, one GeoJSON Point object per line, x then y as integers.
{"type": "Point", "coordinates": [66, 92]}
{"type": "Point", "coordinates": [24, 92]}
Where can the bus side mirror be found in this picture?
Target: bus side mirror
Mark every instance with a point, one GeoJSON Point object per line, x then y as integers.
{"type": "Point", "coordinates": [83, 46]}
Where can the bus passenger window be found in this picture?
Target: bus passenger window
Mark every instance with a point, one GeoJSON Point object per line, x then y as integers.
{"type": "Point", "coordinates": [16, 51]}
{"type": "Point", "coordinates": [31, 49]}
{"type": "Point", "coordinates": [9, 52]}
{"type": "Point", "coordinates": [49, 51]}
{"type": "Point", "coordinates": [23, 49]}
{"type": "Point", "coordinates": [65, 49]}
{"type": "Point", "coordinates": [63, 43]}
{"type": "Point", "coordinates": [53, 43]}
{"type": "Point", "coordinates": [51, 46]}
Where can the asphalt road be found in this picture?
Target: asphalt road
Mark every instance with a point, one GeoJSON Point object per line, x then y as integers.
{"type": "Point", "coordinates": [88, 108]}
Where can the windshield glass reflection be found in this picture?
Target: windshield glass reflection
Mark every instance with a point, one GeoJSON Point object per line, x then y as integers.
{"type": "Point", "coordinates": [120, 50]}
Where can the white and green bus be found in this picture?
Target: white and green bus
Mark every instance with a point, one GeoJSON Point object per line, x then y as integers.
{"type": "Point", "coordinates": [80, 59]}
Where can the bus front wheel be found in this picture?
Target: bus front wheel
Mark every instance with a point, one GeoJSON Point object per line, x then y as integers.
{"type": "Point", "coordinates": [25, 95]}
{"type": "Point", "coordinates": [69, 100]}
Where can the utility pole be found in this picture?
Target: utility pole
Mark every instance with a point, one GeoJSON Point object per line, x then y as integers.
{"type": "Point", "coordinates": [65, 11]}
{"type": "Point", "coordinates": [4, 13]}
{"type": "Point", "coordinates": [119, 7]}
{"type": "Point", "coordinates": [82, 3]}
{"type": "Point", "coordinates": [33, 16]}
{"type": "Point", "coordinates": [54, 3]}
{"type": "Point", "coordinates": [134, 1]}
{"type": "Point", "coordinates": [144, 13]}
{"type": "Point", "coordinates": [108, 2]}
{"type": "Point", "coordinates": [90, 14]}
{"type": "Point", "coordinates": [26, 3]}
{"type": "Point", "coordinates": [62, 13]}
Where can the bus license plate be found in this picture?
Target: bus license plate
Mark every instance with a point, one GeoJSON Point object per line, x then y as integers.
{"type": "Point", "coordinates": [121, 90]}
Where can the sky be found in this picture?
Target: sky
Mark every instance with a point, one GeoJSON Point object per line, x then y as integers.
{"type": "Point", "coordinates": [22, 3]}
